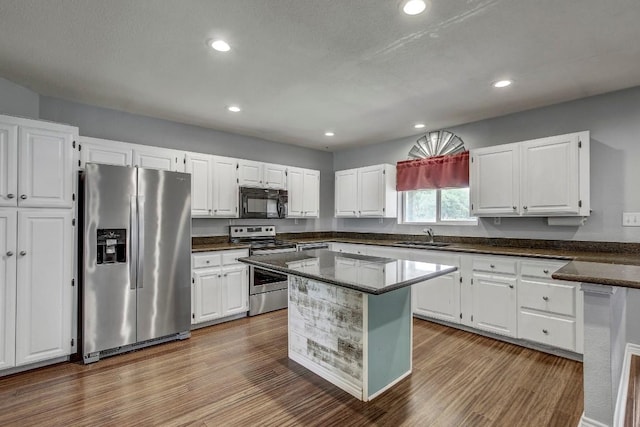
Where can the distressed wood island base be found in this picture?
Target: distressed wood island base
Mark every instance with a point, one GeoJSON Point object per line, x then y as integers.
{"type": "Point", "coordinates": [359, 342]}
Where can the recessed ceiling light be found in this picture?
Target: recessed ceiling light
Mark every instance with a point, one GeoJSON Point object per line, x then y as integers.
{"type": "Point", "coordinates": [329, 134]}
{"type": "Point", "coordinates": [414, 7]}
{"type": "Point", "coordinates": [220, 45]}
{"type": "Point", "coordinates": [234, 109]}
{"type": "Point", "coordinates": [502, 83]}
{"type": "Point", "coordinates": [418, 125]}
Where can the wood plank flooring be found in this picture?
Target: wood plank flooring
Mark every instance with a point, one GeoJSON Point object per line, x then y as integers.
{"type": "Point", "coordinates": [238, 373]}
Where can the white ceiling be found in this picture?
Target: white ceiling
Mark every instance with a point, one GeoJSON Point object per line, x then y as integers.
{"type": "Point", "coordinates": [300, 67]}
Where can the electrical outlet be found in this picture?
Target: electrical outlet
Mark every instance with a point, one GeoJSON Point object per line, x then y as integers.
{"type": "Point", "coordinates": [631, 219]}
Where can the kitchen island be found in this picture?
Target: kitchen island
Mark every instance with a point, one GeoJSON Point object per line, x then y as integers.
{"type": "Point", "coordinates": [350, 316]}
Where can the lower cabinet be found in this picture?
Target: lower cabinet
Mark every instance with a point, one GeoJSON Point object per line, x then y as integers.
{"type": "Point", "coordinates": [494, 303]}
{"type": "Point", "coordinates": [220, 285]}
{"type": "Point", "coordinates": [439, 298]}
{"type": "Point", "coordinates": [36, 285]}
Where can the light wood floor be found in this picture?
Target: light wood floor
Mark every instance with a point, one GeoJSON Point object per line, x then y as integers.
{"type": "Point", "coordinates": [238, 373]}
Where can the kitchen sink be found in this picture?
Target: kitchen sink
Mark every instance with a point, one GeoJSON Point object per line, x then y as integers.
{"type": "Point", "coordinates": [424, 244]}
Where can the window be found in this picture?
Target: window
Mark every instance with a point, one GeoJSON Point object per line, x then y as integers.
{"type": "Point", "coordinates": [444, 206]}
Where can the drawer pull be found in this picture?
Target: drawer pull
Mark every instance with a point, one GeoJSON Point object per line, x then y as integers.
{"type": "Point", "coordinates": [492, 265]}
{"type": "Point", "coordinates": [510, 286]}
{"type": "Point", "coordinates": [544, 331]}
{"type": "Point", "coordinates": [545, 271]}
{"type": "Point", "coordinates": [545, 298]}
{"type": "Point", "coordinates": [207, 261]}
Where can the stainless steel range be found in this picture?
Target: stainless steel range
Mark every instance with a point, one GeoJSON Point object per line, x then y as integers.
{"type": "Point", "coordinates": [267, 289]}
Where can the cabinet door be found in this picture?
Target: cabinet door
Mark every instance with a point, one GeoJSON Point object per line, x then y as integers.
{"type": "Point", "coordinates": [45, 168]}
{"type": "Point", "coordinates": [494, 180]}
{"type": "Point", "coordinates": [295, 190]}
{"type": "Point", "coordinates": [8, 165]}
{"type": "Point", "coordinates": [94, 150]}
{"type": "Point", "coordinates": [550, 176]}
{"type": "Point", "coordinates": [208, 294]}
{"type": "Point", "coordinates": [275, 176]}
{"type": "Point", "coordinates": [494, 303]}
{"type": "Point", "coordinates": [44, 293]}
{"type": "Point", "coordinates": [225, 187]}
{"type": "Point", "coordinates": [371, 191]}
{"type": "Point", "coordinates": [235, 291]}
{"type": "Point", "coordinates": [439, 298]}
{"type": "Point", "coordinates": [346, 193]}
{"type": "Point", "coordinates": [158, 158]}
{"type": "Point", "coordinates": [8, 233]}
{"type": "Point", "coordinates": [200, 166]}
{"type": "Point", "coordinates": [311, 193]}
{"type": "Point", "coordinates": [250, 173]}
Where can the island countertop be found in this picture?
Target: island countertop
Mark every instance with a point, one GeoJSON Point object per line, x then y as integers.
{"type": "Point", "coordinates": [368, 274]}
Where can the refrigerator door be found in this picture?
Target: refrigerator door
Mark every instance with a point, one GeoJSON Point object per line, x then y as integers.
{"type": "Point", "coordinates": [164, 263]}
{"type": "Point", "coordinates": [109, 256]}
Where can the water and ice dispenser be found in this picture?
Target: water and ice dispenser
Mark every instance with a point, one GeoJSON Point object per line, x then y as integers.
{"type": "Point", "coordinates": [112, 245]}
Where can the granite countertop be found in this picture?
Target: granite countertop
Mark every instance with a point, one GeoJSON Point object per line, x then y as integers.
{"type": "Point", "coordinates": [206, 247]}
{"type": "Point", "coordinates": [603, 274]}
{"type": "Point", "coordinates": [368, 274]}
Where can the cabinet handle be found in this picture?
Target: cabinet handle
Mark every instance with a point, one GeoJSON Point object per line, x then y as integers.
{"type": "Point", "coordinates": [524, 207]}
{"type": "Point", "coordinates": [544, 331]}
{"type": "Point", "coordinates": [10, 196]}
{"type": "Point", "coordinates": [514, 208]}
{"type": "Point", "coordinates": [545, 298]}
{"type": "Point", "coordinates": [23, 197]}
{"type": "Point", "coordinates": [545, 271]}
{"type": "Point", "coordinates": [215, 210]}
{"type": "Point", "coordinates": [492, 265]}
{"type": "Point", "coordinates": [510, 286]}
{"type": "Point", "coordinates": [207, 261]}
{"type": "Point", "coordinates": [9, 253]}
{"type": "Point", "coordinates": [219, 275]}
{"type": "Point", "coordinates": [225, 274]}
{"type": "Point", "coordinates": [23, 253]}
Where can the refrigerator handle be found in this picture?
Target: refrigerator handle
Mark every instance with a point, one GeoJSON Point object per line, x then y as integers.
{"type": "Point", "coordinates": [140, 241]}
{"type": "Point", "coordinates": [133, 241]}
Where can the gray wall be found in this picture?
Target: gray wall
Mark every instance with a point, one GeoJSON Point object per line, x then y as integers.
{"type": "Point", "coordinates": [614, 122]}
{"type": "Point", "coordinates": [117, 125]}
{"type": "Point", "coordinates": [16, 100]}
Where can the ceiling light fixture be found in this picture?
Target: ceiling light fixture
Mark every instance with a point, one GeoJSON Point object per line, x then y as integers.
{"type": "Point", "coordinates": [502, 83]}
{"type": "Point", "coordinates": [234, 109]}
{"type": "Point", "coordinates": [414, 7]}
{"type": "Point", "coordinates": [418, 125]}
{"type": "Point", "coordinates": [329, 134]}
{"type": "Point", "coordinates": [219, 45]}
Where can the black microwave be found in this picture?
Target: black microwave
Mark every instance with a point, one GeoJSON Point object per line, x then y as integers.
{"type": "Point", "coordinates": [263, 203]}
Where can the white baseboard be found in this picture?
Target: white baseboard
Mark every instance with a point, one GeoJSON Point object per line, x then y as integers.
{"type": "Point", "coordinates": [621, 401]}
{"type": "Point", "coordinates": [588, 422]}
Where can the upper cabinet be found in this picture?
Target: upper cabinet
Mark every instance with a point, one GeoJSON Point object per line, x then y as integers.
{"type": "Point", "coordinates": [541, 177]}
{"type": "Point", "coordinates": [145, 156]}
{"type": "Point", "coordinates": [36, 163]}
{"type": "Point", "coordinates": [263, 175]}
{"type": "Point", "coordinates": [366, 192]}
{"type": "Point", "coordinates": [304, 193]}
{"type": "Point", "coordinates": [214, 185]}
{"type": "Point", "coordinates": [95, 150]}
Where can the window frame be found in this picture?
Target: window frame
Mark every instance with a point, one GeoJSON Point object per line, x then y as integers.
{"type": "Point", "coordinates": [402, 200]}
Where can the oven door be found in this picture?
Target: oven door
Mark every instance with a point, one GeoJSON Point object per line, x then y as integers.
{"type": "Point", "coordinates": [265, 281]}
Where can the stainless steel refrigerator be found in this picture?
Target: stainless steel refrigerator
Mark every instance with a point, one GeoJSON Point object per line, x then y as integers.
{"type": "Point", "coordinates": [135, 259]}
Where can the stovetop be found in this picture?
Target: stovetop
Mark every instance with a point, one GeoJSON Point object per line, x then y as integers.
{"type": "Point", "coordinates": [258, 236]}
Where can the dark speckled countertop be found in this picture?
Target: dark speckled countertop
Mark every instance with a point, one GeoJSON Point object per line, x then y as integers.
{"type": "Point", "coordinates": [608, 263]}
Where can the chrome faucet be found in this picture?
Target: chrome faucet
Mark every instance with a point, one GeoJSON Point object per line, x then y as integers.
{"type": "Point", "coordinates": [429, 233]}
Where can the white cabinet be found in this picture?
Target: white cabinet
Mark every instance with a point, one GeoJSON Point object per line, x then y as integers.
{"type": "Point", "coordinates": [366, 192]}
{"type": "Point", "coordinates": [263, 175]}
{"type": "Point", "coordinates": [493, 284]}
{"type": "Point", "coordinates": [439, 298]}
{"type": "Point", "coordinates": [304, 193]}
{"type": "Point", "coordinates": [106, 152]}
{"type": "Point", "coordinates": [225, 187]}
{"type": "Point", "coordinates": [541, 177]}
{"type": "Point", "coordinates": [200, 166]}
{"type": "Point", "coordinates": [8, 164]}
{"type": "Point", "coordinates": [550, 311]}
{"type": "Point", "coordinates": [36, 163]}
{"type": "Point", "coordinates": [158, 158]}
{"type": "Point", "coordinates": [220, 285]}
{"type": "Point", "coordinates": [44, 292]}
{"type": "Point", "coordinates": [495, 180]}
{"type": "Point", "coordinates": [8, 227]}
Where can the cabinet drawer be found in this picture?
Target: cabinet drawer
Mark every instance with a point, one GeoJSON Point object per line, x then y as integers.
{"type": "Point", "coordinates": [231, 257]}
{"type": "Point", "coordinates": [207, 259]}
{"type": "Point", "coordinates": [542, 269]}
{"type": "Point", "coordinates": [548, 296]}
{"type": "Point", "coordinates": [548, 330]}
{"type": "Point", "coordinates": [502, 266]}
